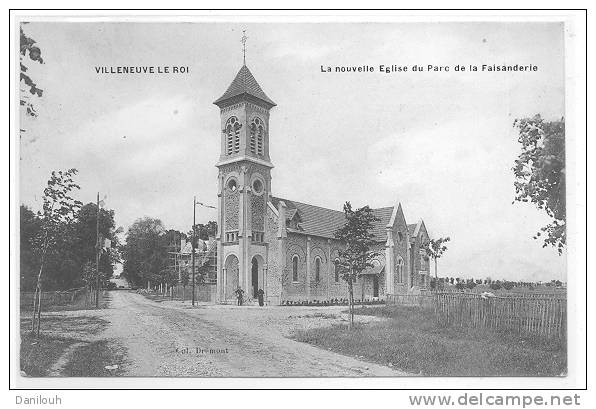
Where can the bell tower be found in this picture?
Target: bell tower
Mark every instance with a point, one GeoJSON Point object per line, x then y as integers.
{"type": "Point", "coordinates": [244, 186]}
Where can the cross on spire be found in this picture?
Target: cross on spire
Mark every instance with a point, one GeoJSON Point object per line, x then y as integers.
{"type": "Point", "coordinates": [243, 40]}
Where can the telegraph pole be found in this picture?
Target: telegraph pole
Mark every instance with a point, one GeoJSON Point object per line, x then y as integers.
{"type": "Point", "coordinates": [97, 255]}
{"type": "Point", "coordinates": [194, 215]}
{"type": "Point", "coordinates": [194, 222]}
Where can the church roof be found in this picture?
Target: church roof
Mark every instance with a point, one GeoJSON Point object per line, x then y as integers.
{"type": "Point", "coordinates": [244, 83]}
{"type": "Point", "coordinates": [384, 214]}
{"type": "Point", "coordinates": [323, 222]}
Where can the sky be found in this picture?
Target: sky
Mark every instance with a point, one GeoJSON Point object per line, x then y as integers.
{"type": "Point", "coordinates": [440, 143]}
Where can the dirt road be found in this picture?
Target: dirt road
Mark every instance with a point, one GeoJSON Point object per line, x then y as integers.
{"type": "Point", "coordinates": [173, 339]}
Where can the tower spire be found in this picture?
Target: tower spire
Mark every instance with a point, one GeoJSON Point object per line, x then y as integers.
{"type": "Point", "coordinates": [243, 40]}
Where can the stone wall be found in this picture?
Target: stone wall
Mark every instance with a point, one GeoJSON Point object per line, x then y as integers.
{"type": "Point", "coordinates": [420, 262]}
{"type": "Point", "coordinates": [400, 251]}
{"type": "Point", "coordinates": [273, 291]}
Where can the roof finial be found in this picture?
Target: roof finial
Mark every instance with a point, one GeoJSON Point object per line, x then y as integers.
{"type": "Point", "coordinates": [243, 40]}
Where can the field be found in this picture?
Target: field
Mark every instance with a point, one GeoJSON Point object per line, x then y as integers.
{"type": "Point", "coordinates": [409, 340]}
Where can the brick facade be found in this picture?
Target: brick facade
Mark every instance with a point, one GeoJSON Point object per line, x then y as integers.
{"type": "Point", "coordinates": [419, 263]}
{"type": "Point", "coordinates": [283, 247]}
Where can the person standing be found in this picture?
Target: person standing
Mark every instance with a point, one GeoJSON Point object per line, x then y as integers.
{"type": "Point", "coordinates": [261, 296]}
{"type": "Point", "coordinates": [239, 292]}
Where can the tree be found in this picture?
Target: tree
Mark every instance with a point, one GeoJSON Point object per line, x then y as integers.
{"type": "Point", "coordinates": [508, 285]}
{"type": "Point", "coordinates": [59, 210]}
{"type": "Point", "coordinates": [86, 238]}
{"type": "Point", "coordinates": [495, 285]}
{"type": "Point", "coordinates": [540, 174]}
{"type": "Point", "coordinates": [471, 284]}
{"type": "Point", "coordinates": [145, 253]}
{"type": "Point", "coordinates": [435, 250]}
{"type": "Point", "coordinates": [28, 48]}
{"type": "Point", "coordinates": [204, 231]}
{"type": "Point", "coordinates": [30, 233]}
{"type": "Point", "coordinates": [356, 256]}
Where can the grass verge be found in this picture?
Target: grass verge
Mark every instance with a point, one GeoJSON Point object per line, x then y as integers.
{"type": "Point", "coordinates": [90, 360]}
{"type": "Point", "coordinates": [39, 354]}
{"type": "Point", "coordinates": [410, 340]}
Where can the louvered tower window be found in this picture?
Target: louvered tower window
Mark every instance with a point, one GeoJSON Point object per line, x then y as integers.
{"type": "Point", "coordinates": [257, 135]}
{"type": "Point", "coordinates": [253, 137]}
{"type": "Point", "coordinates": [232, 131]}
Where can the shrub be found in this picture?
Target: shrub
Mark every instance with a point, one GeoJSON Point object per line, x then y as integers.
{"type": "Point", "coordinates": [508, 285]}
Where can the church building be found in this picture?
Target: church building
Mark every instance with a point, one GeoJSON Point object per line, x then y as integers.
{"type": "Point", "coordinates": [286, 247]}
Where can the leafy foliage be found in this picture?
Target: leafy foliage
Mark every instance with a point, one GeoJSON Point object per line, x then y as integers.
{"type": "Point", "coordinates": [434, 248]}
{"type": "Point", "coordinates": [357, 255]}
{"type": "Point", "coordinates": [145, 253]}
{"type": "Point", "coordinates": [28, 48]}
{"type": "Point", "coordinates": [358, 238]}
{"type": "Point", "coordinates": [86, 236]}
{"type": "Point", "coordinates": [31, 235]}
{"type": "Point", "coordinates": [62, 237]}
{"type": "Point", "coordinates": [508, 285]}
{"type": "Point", "coordinates": [540, 174]}
{"type": "Point", "coordinates": [203, 231]}
{"type": "Point", "coordinates": [471, 284]}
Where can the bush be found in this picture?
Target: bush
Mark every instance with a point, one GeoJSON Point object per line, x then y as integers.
{"type": "Point", "coordinates": [508, 285]}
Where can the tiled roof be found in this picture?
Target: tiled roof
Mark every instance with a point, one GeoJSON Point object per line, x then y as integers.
{"type": "Point", "coordinates": [323, 222]}
{"type": "Point", "coordinates": [384, 214]}
{"type": "Point", "coordinates": [244, 83]}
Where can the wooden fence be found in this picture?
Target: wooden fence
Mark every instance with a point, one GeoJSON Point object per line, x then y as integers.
{"type": "Point", "coordinates": [204, 292]}
{"type": "Point", "coordinates": [57, 298]}
{"type": "Point", "coordinates": [423, 300]}
{"type": "Point", "coordinates": [538, 315]}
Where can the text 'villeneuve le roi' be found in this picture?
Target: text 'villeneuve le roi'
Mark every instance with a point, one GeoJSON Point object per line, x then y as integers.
{"type": "Point", "coordinates": [143, 69]}
{"type": "Point", "coordinates": [428, 68]}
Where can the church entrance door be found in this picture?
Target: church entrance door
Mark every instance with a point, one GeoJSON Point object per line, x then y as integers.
{"type": "Point", "coordinates": [255, 277]}
{"type": "Point", "coordinates": [375, 286]}
{"type": "Point", "coordinates": [231, 278]}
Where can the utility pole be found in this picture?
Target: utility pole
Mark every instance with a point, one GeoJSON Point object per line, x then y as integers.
{"type": "Point", "coordinates": [194, 222]}
{"type": "Point", "coordinates": [194, 215]}
{"type": "Point", "coordinates": [97, 255]}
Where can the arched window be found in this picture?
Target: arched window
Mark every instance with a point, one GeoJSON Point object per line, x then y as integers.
{"type": "Point", "coordinates": [260, 133]}
{"type": "Point", "coordinates": [400, 271]}
{"type": "Point", "coordinates": [295, 268]}
{"type": "Point", "coordinates": [257, 132]}
{"type": "Point", "coordinates": [232, 131]}
{"type": "Point", "coordinates": [317, 269]}
{"type": "Point", "coordinates": [336, 270]}
{"type": "Point", "coordinates": [253, 137]}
